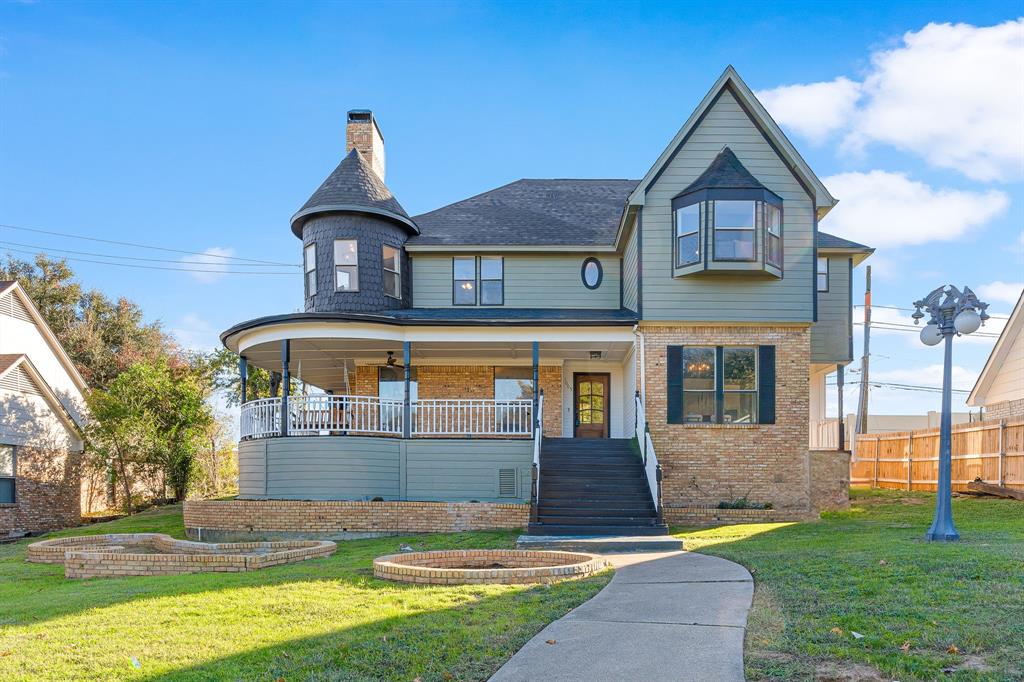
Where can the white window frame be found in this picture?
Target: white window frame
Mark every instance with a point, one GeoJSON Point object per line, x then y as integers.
{"type": "Point", "coordinates": [482, 279]}
{"type": "Point", "coordinates": [818, 272]}
{"type": "Point", "coordinates": [351, 268]}
{"type": "Point", "coordinates": [397, 272]}
{"type": "Point", "coordinates": [699, 205]}
{"type": "Point", "coordinates": [770, 234]}
{"type": "Point", "coordinates": [310, 272]}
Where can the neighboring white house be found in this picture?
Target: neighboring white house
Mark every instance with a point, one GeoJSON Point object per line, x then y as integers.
{"type": "Point", "coordinates": [42, 413]}
{"type": "Point", "coordinates": [1000, 387]}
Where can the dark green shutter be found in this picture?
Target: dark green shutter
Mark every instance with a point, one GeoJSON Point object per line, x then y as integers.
{"type": "Point", "coordinates": [766, 384]}
{"type": "Point", "coordinates": [674, 400]}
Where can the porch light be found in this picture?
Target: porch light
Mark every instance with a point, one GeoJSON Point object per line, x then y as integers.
{"type": "Point", "coordinates": [391, 359]}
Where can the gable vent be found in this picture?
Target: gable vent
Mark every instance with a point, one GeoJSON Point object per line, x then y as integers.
{"type": "Point", "coordinates": [19, 381]}
{"type": "Point", "coordinates": [12, 306]}
{"type": "Point", "coordinates": [507, 483]}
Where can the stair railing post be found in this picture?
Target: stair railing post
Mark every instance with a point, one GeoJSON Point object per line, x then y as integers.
{"type": "Point", "coordinates": [534, 492]}
{"type": "Point", "coordinates": [661, 513]}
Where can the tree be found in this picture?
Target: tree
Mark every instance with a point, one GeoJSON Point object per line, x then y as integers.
{"type": "Point", "coordinates": [224, 376]}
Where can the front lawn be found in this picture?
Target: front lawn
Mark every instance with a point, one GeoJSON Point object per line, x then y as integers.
{"type": "Point", "coordinates": [326, 619]}
{"type": "Point", "coordinates": [924, 610]}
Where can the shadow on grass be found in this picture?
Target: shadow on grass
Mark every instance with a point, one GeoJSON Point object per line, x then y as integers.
{"type": "Point", "coordinates": [869, 570]}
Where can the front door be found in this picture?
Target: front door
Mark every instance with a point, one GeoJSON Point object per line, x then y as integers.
{"type": "Point", "coordinates": [591, 405]}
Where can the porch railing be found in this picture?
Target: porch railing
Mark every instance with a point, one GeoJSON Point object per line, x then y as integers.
{"type": "Point", "coordinates": [370, 415]}
{"type": "Point", "coordinates": [824, 434]}
{"type": "Point", "coordinates": [538, 437]}
{"type": "Point", "coordinates": [652, 469]}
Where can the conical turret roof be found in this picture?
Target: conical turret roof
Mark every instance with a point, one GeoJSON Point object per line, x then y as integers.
{"type": "Point", "coordinates": [353, 187]}
{"type": "Point", "coordinates": [725, 172]}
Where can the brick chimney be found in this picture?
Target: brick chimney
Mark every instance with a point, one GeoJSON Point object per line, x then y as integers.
{"type": "Point", "coordinates": [362, 133]}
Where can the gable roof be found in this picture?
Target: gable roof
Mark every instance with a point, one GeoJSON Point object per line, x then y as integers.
{"type": "Point", "coordinates": [730, 81]}
{"type": "Point", "coordinates": [353, 186]}
{"type": "Point", "coordinates": [559, 213]}
{"type": "Point", "coordinates": [724, 172]}
{"type": "Point", "coordinates": [12, 363]}
{"type": "Point", "coordinates": [15, 289]}
{"type": "Point", "coordinates": [1000, 352]}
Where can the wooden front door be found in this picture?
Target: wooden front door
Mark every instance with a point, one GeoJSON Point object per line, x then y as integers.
{"type": "Point", "coordinates": [591, 405]}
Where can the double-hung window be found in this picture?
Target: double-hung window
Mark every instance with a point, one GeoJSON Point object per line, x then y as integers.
{"type": "Point", "coordinates": [721, 385]}
{"type": "Point", "coordinates": [735, 229]}
{"type": "Point", "coordinates": [7, 474]}
{"type": "Point", "coordinates": [492, 280]}
{"type": "Point", "coordinates": [392, 272]}
{"type": "Point", "coordinates": [688, 235]}
{"type": "Point", "coordinates": [309, 258]}
{"type": "Point", "coordinates": [346, 265]}
{"type": "Point", "coordinates": [822, 273]}
{"type": "Point", "coordinates": [464, 280]}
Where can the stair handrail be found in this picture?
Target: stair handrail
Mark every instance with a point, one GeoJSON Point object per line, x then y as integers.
{"type": "Point", "coordinates": [652, 469]}
{"type": "Point", "coordinates": [538, 434]}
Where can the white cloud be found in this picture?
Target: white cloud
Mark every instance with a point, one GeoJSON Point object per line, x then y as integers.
{"type": "Point", "coordinates": [195, 333]}
{"type": "Point", "coordinates": [210, 266]}
{"type": "Point", "coordinates": [1017, 247]}
{"type": "Point", "coordinates": [952, 94]}
{"type": "Point", "coordinates": [815, 110]}
{"type": "Point", "coordinates": [1000, 292]}
{"type": "Point", "coordinates": [880, 208]}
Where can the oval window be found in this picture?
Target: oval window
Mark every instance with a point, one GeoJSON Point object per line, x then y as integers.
{"type": "Point", "coordinates": [592, 273]}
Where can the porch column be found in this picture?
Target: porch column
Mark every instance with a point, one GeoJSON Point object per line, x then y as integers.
{"type": "Point", "coordinates": [839, 400]}
{"type": "Point", "coordinates": [285, 384]}
{"type": "Point", "coordinates": [536, 393]}
{"type": "Point", "coordinates": [243, 373]}
{"type": "Point", "coordinates": [407, 406]}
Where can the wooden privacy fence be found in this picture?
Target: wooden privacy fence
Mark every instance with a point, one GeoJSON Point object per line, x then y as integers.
{"type": "Point", "coordinates": [909, 460]}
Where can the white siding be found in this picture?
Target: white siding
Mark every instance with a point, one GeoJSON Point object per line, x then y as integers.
{"type": "Point", "coordinates": [741, 298]}
{"type": "Point", "coordinates": [1009, 382]}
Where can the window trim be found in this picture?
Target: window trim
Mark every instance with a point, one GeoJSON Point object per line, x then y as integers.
{"type": "Point", "coordinates": [14, 477]}
{"type": "Point", "coordinates": [386, 271]}
{"type": "Point", "coordinates": [719, 392]}
{"type": "Point", "coordinates": [818, 273]}
{"type": "Point", "coordinates": [306, 270]}
{"type": "Point", "coordinates": [583, 272]}
{"type": "Point", "coordinates": [455, 282]}
{"type": "Point", "coordinates": [481, 280]}
{"type": "Point", "coordinates": [334, 255]}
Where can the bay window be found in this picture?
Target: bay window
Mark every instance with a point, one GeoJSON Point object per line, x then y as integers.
{"type": "Point", "coordinates": [735, 226]}
{"type": "Point", "coordinates": [773, 235]}
{"type": "Point", "coordinates": [688, 235]}
{"type": "Point", "coordinates": [346, 265]}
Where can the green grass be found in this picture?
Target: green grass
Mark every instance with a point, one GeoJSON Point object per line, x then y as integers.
{"type": "Point", "coordinates": [868, 570]}
{"type": "Point", "coordinates": [326, 619]}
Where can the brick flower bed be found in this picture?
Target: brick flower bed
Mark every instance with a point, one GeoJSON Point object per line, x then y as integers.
{"type": "Point", "coordinates": [123, 554]}
{"type": "Point", "coordinates": [475, 566]}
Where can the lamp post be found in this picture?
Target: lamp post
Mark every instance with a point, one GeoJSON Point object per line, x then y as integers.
{"type": "Point", "coordinates": [952, 313]}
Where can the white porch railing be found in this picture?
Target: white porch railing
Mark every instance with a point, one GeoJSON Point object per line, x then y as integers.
{"type": "Point", "coordinates": [370, 415]}
{"type": "Point", "coordinates": [651, 467]}
{"type": "Point", "coordinates": [538, 437]}
{"type": "Point", "coordinates": [824, 434]}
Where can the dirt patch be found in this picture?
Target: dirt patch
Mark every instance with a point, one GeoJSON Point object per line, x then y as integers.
{"type": "Point", "coordinates": [832, 671]}
{"type": "Point", "coordinates": [969, 662]}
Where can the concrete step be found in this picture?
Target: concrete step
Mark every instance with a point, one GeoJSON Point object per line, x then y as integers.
{"type": "Point", "coordinates": [575, 529]}
{"type": "Point", "coordinates": [600, 544]}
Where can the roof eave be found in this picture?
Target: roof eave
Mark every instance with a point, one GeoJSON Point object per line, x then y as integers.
{"type": "Point", "coordinates": [1011, 331]}
{"type": "Point", "coordinates": [298, 219]}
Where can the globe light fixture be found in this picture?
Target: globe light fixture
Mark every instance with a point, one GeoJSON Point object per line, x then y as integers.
{"type": "Point", "coordinates": [951, 313]}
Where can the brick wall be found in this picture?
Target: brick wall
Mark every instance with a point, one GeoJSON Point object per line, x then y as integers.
{"type": "Point", "coordinates": [830, 479]}
{"type": "Point", "coordinates": [47, 492]}
{"type": "Point", "coordinates": [1007, 409]}
{"type": "Point", "coordinates": [471, 381]}
{"type": "Point", "coordinates": [712, 516]}
{"type": "Point", "coordinates": [312, 518]}
{"type": "Point", "coordinates": [707, 464]}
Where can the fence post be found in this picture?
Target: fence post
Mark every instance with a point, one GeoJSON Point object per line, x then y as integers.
{"type": "Point", "coordinates": [910, 460]}
{"type": "Point", "coordinates": [878, 442]}
{"type": "Point", "coordinates": [1002, 450]}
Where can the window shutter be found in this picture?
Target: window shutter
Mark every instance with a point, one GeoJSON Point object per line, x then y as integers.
{"type": "Point", "coordinates": [766, 384]}
{"type": "Point", "coordinates": [675, 385]}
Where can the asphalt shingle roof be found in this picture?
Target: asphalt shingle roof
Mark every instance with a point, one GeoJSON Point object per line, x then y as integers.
{"type": "Point", "coordinates": [830, 241]}
{"type": "Point", "coordinates": [724, 172]}
{"type": "Point", "coordinates": [531, 213]}
{"type": "Point", "coordinates": [352, 186]}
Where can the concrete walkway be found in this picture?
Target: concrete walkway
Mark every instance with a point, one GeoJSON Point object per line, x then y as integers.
{"type": "Point", "coordinates": [667, 616]}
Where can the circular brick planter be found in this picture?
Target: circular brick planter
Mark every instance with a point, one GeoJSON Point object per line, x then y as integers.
{"type": "Point", "coordinates": [477, 566]}
{"type": "Point", "coordinates": [122, 554]}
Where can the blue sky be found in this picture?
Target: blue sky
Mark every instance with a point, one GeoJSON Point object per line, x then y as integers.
{"type": "Point", "coordinates": [205, 126]}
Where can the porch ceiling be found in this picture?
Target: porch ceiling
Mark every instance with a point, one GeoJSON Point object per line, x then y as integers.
{"type": "Point", "coordinates": [325, 362]}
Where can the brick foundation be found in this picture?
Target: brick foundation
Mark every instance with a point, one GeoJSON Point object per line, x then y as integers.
{"type": "Point", "coordinates": [48, 492]}
{"type": "Point", "coordinates": [712, 516]}
{"type": "Point", "coordinates": [325, 519]}
{"type": "Point", "coordinates": [707, 464]}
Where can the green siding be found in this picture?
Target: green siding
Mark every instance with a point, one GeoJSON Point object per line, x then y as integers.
{"type": "Point", "coordinates": [361, 468]}
{"type": "Point", "coordinates": [629, 271]}
{"type": "Point", "coordinates": [753, 297]}
{"type": "Point", "coordinates": [830, 336]}
{"type": "Point", "coordinates": [531, 281]}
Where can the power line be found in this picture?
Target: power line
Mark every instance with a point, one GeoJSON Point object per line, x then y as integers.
{"type": "Point", "coordinates": [158, 267]}
{"type": "Point", "coordinates": [140, 258]}
{"type": "Point", "coordinates": [905, 387]}
{"type": "Point", "coordinates": [139, 246]}
{"type": "Point", "coordinates": [910, 310]}
{"type": "Point", "coordinates": [898, 327]}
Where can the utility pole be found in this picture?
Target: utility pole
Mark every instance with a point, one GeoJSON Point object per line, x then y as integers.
{"type": "Point", "coordinates": [862, 405]}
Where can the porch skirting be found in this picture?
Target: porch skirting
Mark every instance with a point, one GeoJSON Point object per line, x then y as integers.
{"type": "Point", "coordinates": [221, 519]}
